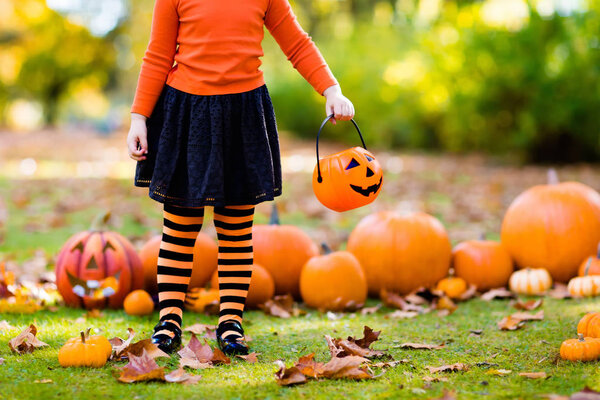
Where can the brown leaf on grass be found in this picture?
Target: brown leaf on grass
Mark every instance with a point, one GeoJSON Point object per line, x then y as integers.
{"type": "Point", "coordinates": [586, 394]}
{"type": "Point", "coordinates": [527, 305]}
{"type": "Point", "coordinates": [5, 326]}
{"type": "Point", "coordinates": [288, 376]}
{"type": "Point", "coordinates": [421, 346]}
{"type": "Point", "coordinates": [281, 306]}
{"type": "Point", "coordinates": [359, 347]}
{"type": "Point", "coordinates": [143, 345]}
{"type": "Point", "coordinates": [141, 368]}
{"type": "Point", "coordinates": [385, 364]}
{"type": "Point", "coordinates": [534, 375]}
{"type": "Point", "coordinates": [199, 356]}
{"type": "Point", "coordinates": [559, 291]}
{"type": "Point", "coordinates": [200, 329]}
{"type": "Point", "coordinates": [119, 344]}
{"type": "Point", "coordinates": [435, 379]}
{"type": "Point", "coordinates": [43, 381]}
{"type": "Point", "coordinates": [394, 300]}
{"type": "Point", "coordinates": [523, 316]}
{"type": "Point", "coordinates": [308, 366]}
{"type": "Point", "coordinates": [345, 367]}
{"type": "Point", "coordinates": [498, 293]}
{"type": "Point", "coordinates": [180, 376]}
{"type": "Point", "coordinates": [469, 293]}
{"type": "Point", "coordinates": [219, 357]}
{"type": "Point", "coordinates": [349, 306]}
{"type": "Point", "coordinates": [370, 310]}
{"type": "Point", "coordinates": [510, 324]}
{"type": "Point", "coordinates": [400, 314]}
{"type": "Point", "coordinates": [26, 341]}
{"type": "Point", "coordinates": [250, 358]}
{"type": "Point", "coordinates": [449, 368]}
{"type": "Point", "coordinates": [444, 303]}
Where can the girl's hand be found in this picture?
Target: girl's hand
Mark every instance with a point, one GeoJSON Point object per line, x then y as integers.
{"type": "Point", "coordinates": [337, 104]}
{"type": "Point", "coordinates": [137, 134]}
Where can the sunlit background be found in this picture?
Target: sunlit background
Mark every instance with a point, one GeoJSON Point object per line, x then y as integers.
{"type": "Point", "coordinates": [507, 77]}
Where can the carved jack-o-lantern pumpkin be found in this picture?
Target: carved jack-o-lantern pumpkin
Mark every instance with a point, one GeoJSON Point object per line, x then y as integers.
{"type": "Point", "coordinates": [96, 269]}
{"type": "Point", "coordinates": [348, 179]}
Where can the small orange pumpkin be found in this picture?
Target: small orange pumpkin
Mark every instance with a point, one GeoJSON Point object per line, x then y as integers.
{"type": "Point", "coordinates": [332, 281]}
{"type": "Point", "coordinates": [580, 349]}
{"type": "Point", "coordinates": [262, 287]}
{"type": "Point", "coordinates": [589, 325]}
{"type": "Point", "coordinates": [348, 179]}
{"type": "Point", "coordinates": [138, 302]}
{"type": "Point", "coordinates": [196, 299]}
{"type": "Point", "coordinates": [82, 353]}
{"type": "Point", "coordinates": [483, 263]}
{"type": "Point", "coordinates": [453, 287]}
{"type": "Point", "coordinates": [591, 265]}
{"type": "Point", "coordinates": [98, 340]}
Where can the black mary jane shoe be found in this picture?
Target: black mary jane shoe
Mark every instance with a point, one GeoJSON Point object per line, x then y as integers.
{"type": "Point", "coordinates": [164, 342]}
{"type": "Point", "coordinates": [231, 346]}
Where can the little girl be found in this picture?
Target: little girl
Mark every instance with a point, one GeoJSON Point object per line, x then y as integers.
{"type": "Point", "coordinates": [203, 133]}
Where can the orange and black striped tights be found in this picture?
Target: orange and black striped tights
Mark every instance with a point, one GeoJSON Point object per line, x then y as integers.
{"type": "Point", "coordinates": [180, 229]}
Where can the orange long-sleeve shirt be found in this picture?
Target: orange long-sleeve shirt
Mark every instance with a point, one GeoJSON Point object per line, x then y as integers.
{"type": "Point", "coordinates": [219, 48]}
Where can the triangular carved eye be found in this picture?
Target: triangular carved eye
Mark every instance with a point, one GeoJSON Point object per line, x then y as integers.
{"type": "Point", "coordinates": [369, 157]}
{"type": "Point", "coordinates": [353, 163]}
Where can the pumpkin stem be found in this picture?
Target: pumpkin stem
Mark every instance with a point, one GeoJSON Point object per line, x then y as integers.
{"type": "Point", "coordinates": [82, 337]}
{"type": "Point", "coordinates": [274, 215]}
{"type": "Point", "coordinates": [552, 177]}
{"type": "Point", "coordinates": [580, 337]}
{"type": "Point", "coordinates": [326, 248]}
{"type": "Point", "coordinates": [100, 221]}
{"type": "Point", "coordinates": [87, 332]}
{"type": "Point", "coordinates": [586, 271]}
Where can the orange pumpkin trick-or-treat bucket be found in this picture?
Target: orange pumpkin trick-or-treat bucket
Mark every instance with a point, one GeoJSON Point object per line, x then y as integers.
{"type": "Point", "coordinates": [349, 179]}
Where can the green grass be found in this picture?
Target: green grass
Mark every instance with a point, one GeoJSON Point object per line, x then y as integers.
{"type": "Point", "coordinates": [533, 348]}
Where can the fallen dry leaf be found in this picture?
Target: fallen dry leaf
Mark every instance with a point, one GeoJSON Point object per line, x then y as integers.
{"type": "Point", "coordinates": [394, 300]}
{"type": "Point", "coordinates": [199, 356]}
{"type": "Point", "coordinates": [560, 292]}
{"type": "Point", "coordinates": [123, 348]}
{"type": "Point", "coordinates": [498, 293]}
{"type": "Point", "coordinates": [346, 367]}
{"type": "Point", "coordinates": [435, 379]}
{"type": "Point", "coordinates": [43, 381]}
{"type": "Point", "coordinates": [202, 329]}
{"type": "Point", "coordinates": [400, 314]}
{"type": "Point", "coordinates": [527, 305]}
{"type": "Point", "coordinates": [445, 303]}
{"type": "Point", "coordinates": [251, 358]}
{"type": "Point", "coordinates": [449, 368]}
{"type": "Point", "coordinates": [510, 324]}
{"type": "Point", "coordinates": [421, 346]}
{"type": "Point", "coordinates": [282, 306]}
{"type": "Point", "coordinates": [142, 368]}
{"type": "Point", "coordinates": [359, 347]}
{"type": "Point", "coordinates": [385, 364]}
{"type": "Point", "coordinates": [26, 341]}
{"type": "Point", "coordinates": [523, 316]}
{"type": "Point", "coordinates": [180, 376]}
{"type": "Point", "coordinates": [5, 326]}
{"type": "Point", "coordinates": [288, 376]}
{"type": "Point", "coordinates": [469, 293]}
{"type": "Point", "coordinates": [534, 375]}
{"type": "Point", "coordinates": [308, 366]}
{"type": "Point", "coordinates": [586, 394]}
{"type": "Point", "coordinates": [370, 310]}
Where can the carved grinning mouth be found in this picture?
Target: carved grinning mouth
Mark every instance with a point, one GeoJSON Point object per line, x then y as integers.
{"type": "Point", "coordinates": [91, 288]}
{"type": "Point", "coordinates": [371, 189]}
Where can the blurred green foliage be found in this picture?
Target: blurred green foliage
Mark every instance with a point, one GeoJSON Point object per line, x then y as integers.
{"type": "Point", "coordinates": [500, 76]}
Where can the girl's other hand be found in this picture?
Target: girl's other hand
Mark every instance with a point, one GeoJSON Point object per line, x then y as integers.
{"type": "Point", "coordinates": [337, 104]}
{"type": "Point", "coordinates": [137, 142]}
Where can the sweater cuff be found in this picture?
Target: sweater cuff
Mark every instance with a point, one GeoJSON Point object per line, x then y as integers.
{"type": "Point", "coordinates": [322, 79]}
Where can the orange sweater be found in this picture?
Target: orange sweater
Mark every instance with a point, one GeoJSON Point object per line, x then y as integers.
{"type": "Point", "coordinates": [219, 48]}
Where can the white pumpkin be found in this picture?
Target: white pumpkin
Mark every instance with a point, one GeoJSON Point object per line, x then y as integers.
{"type": "Point", "coordinates": [584, 286]}
{"type": "Point", "coordinates": [530, 281]}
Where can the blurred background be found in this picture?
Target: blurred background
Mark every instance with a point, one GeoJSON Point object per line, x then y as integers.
{"type": "Point", "coordinates": [506, 77]}
{"type": "Point", "coordinates": [465, 104]}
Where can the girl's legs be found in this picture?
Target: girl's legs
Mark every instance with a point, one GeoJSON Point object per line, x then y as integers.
{"type": "Point", "coordinates": [234, 231]}
{"type": "Point", "coordinates": [175, 259]}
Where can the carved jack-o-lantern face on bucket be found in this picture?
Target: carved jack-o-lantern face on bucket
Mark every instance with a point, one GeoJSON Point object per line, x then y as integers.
{"type": "Point", "coordinates": [349, 179]}
{"type": "Point", "coordinates": [96, 269]}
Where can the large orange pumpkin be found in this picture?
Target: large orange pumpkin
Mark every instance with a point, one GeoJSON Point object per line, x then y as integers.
{"type": "Point", "coordinates": [591, 265]}
{"type": "Point", "coordinates": [483, 263]}
{"type": "Point", "coordinates": [96, 269]}
{"type": "Point", "coordinates": [282, 250]}
{"type": "Point", "coordinates": [332, 281]}
{"type": "Point", "coordinates": [401, 252]}
{"type": "Point", "coordinates": [262, 287]}
{"type": "Point", "coordinates": [554, 226]}
{"type": "Point", "coordinates": [348, 179]}
{"type": "Point", "coordinates": [149, 257]}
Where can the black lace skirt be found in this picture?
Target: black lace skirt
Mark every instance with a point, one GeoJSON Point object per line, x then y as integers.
{"type": "Point", "coordinates": [211, 150]}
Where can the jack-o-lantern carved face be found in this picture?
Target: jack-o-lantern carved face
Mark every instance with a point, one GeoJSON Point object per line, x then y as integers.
{"type": "Point", "coordinates": [349, 179]}
{"type": "Point", "coordinates": [97, 269]}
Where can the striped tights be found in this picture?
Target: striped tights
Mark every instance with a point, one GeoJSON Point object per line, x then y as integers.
{"type": "Point", "coordinates": [175, 259]}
